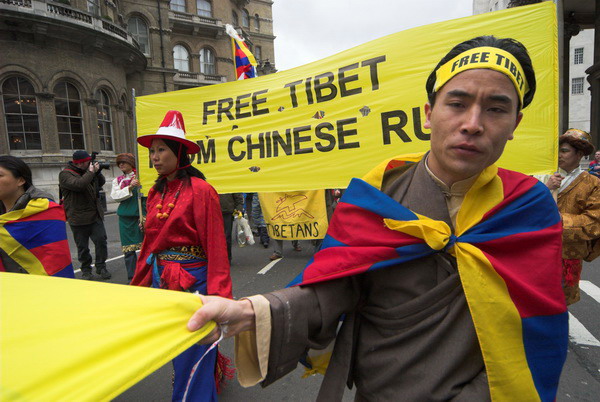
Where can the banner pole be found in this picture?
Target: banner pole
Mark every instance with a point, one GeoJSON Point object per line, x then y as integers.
{"type": "Point", "coordinates": [137, 158]}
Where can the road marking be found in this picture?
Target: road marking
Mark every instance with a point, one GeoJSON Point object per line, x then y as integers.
{"type": "Point", "coordinates": [269, 266]}
{"type": "Point", "coordinates": [591, 289]}
{"type": "Point", "coordinates": [109, 260]}
{"type": "Point", "coordinates": [579, 334]}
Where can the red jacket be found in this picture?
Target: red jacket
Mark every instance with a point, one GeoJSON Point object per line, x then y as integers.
{"type": "Point", "coordinates": [196, 219]}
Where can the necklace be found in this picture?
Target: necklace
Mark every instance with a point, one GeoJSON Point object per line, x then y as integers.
{"type": "Point", "coordinates": [170, 206]}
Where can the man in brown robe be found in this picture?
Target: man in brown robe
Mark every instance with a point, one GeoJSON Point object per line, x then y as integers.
{"type": "Point", "coordinates": [407, 333]}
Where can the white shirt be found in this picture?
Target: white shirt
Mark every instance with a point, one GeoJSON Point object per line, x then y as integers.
{"type": "Point", "coordinates": [568, 177]}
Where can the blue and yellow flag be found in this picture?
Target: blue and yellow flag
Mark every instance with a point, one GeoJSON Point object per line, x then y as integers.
{"type": "Point", "coordinates": [507, 242]}
{"type": "Point", "coordinates": [36, 238]}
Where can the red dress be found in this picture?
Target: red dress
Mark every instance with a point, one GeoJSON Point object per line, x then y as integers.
{"type": "Point", "coordinates": [195, 220]}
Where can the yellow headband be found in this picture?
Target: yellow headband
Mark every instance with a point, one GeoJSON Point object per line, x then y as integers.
{"type": "Point", "coordinates": [484, 57]}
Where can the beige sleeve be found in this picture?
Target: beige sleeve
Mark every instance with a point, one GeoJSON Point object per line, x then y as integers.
{"type": "Point", "coordinates": [252, 347]}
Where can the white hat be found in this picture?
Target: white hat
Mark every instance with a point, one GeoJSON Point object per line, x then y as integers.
{"type": "Point", "coordinates": [172, 128]}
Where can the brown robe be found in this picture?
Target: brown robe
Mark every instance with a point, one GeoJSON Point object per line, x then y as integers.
{"type": "Point", "coordinates": [579, 206]}
{"type": "Point", "coordinates": [408, 334]}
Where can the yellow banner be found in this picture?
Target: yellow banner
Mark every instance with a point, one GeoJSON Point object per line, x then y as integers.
{"type": "Point", "coordinates": [71, 340]}
{"type": "Point", "coordinates": [318, 125]}
{"type": "Point", "coordinates": [295, 215]}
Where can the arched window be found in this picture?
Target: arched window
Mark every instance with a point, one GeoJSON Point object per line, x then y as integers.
{"type": "Point", "coordinates": [104, 121]}
{"type": "Point", "coordinates": [234, 18]}
{"type": "Point", "coordinates": [245, 19]}
{"type": "Point", "coordinates": [69, 119]}
{"type": "Point", "coordinates": [207, 61]}
{"type": "Point", "coordinates": [256, 22]}
{"type": "Point", "coordinates": [204, 8]}
{"type": "Point", "coordinates": [20, 110]}
{"type": "Point", "coordinates": [181, 58]}
{"type": "Point", "coordinates": [177, 5]}
{"type": "Point", "coordinates": [139, 30]}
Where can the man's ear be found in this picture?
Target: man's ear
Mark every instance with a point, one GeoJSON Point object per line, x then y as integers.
{"type": "Point", "coordinates": [428, 109]}
{"type": "Point", "coordinates": [519, 118]}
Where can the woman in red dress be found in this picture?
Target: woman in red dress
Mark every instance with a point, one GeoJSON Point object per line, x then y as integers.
{"type": "Point", "coordinates": [184, 246]}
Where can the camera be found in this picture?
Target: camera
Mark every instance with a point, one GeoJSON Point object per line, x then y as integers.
{"type": "Point", "coordinates": [102, 164]}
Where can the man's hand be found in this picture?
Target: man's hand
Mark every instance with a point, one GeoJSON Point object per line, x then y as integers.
{"type": "Point", "coordinates": [554, 181]}
{"type": "Point", "coordinates": [94, 167]}
{"type": "Point", "coordinates": [234, 316]}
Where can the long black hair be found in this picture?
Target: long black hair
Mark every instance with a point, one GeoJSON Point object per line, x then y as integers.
{"type": "Point", "coordinates": [189, 171]}
{"type": "Point", "coordinates": [512, 46]}
{"type": "Point", "coordinates": [17, 168]}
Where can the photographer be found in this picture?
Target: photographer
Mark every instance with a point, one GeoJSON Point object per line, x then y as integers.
{"type": "Point", "coordinates": [80, 183]}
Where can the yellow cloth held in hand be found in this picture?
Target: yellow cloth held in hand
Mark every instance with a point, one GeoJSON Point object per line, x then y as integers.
{"type": "Point", "coordinates": [65, 339]}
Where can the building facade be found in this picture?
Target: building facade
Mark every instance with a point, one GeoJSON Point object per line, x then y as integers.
{"type": "Point", "coordinates": [68, 67]}
{"type": "Point", "coordinates": [579, 64]}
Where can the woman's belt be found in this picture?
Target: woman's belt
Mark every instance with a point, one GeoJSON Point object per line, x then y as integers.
{"type": "Point", "coordinates": [182, 253]}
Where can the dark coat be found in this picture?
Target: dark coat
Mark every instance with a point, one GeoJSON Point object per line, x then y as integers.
{"type": "Point", "coordinates": [230, 202]}
{"type": "Point", "coordinates": [79, 189]}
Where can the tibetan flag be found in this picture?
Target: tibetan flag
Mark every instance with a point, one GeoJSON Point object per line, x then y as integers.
{"type": "Point", "coordinates": [244, 61]}
{"type": "Point", "coordinates": [507, 243]}
{"type": "Point", "coordinates": [35, 237]}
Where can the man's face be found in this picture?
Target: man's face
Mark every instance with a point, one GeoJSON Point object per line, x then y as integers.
{"type": "Point", "coordinates": [475, 113]}
{"type": "Point", "coordinates": [568, 157]}
{"type": "Point", "coordinates": [83, 165]}
{"type": "Point", "coordinates": [597, 156]}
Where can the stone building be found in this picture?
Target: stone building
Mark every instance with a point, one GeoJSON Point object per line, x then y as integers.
{"type": "Point", "coordinates": [579, 52]}
{"type": "Point", "coordinates": [67, 68]}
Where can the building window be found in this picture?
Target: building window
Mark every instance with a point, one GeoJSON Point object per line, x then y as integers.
{"type": "Point", "coordinates": [20, 110]}
{"type": "Point", "coordinates": [577, 86]}
{"type": "Point", "coordinates": [245, 19]}
{"type": "Point", "coordinates": [207, 61]}
{"type": "Point", "coordinates": [258, 53]}
{"type": "Point", "coordinates": [204, 8]}
{"type": "Point", "coordinates": [104, 121]}
{"type": "Point", "coordinates": [178, 5]}
{"type": "Point", "coordinates": [256, 22]}
{"type": "Point", "coordinates": [93, 7]}
{"type": "Point", "coordinates": [181, 58]}
{"type": "Point", "coordinates": [139, 30]}
{"type": "Point", "coordinates": [67, 105]}
{"type": "Point", "coordinates": [234, 18]}
{"type": "Point", "coordinates": [578, 56]}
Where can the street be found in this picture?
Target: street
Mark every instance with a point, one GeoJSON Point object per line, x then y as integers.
{"type": "Point", "coordinates": [253, 273]}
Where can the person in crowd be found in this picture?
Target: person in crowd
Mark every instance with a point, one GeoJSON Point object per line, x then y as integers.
{"type": "Point", "coordinates": [441, 265]}
{"type": "Point", "coordinates": [332, 197]}
{"type": "Point", "coordinates": [80, 183]}
{"type": "Point", "coordinates": [579, 204]}
{"type": "Point", "coordinates": [29, 218]}
{"type": "Point", "coordinates": [259, 221]}
{"type": "Point", "coordinates": [248, 198]}
{"type": "Point", "coordinates": [125, 191]}
{"type": "Point", "coordinates": [231, 205]}
{"type": "Point", "coordinates": [278, 249]}
{"type": "Point", "coordinates": [184, 246]}
{"type": "Point", "coordinates": [594, 166]}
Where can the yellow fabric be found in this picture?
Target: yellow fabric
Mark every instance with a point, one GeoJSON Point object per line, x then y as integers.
{"type": "Point", "coordinates": [66, 339]}
{"type": "Point", "coordinates": [295, 215]}
{"type": "Point", "coordinates": [375, 113]}
{"type": "Point", "coordinates": [484, 57]}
